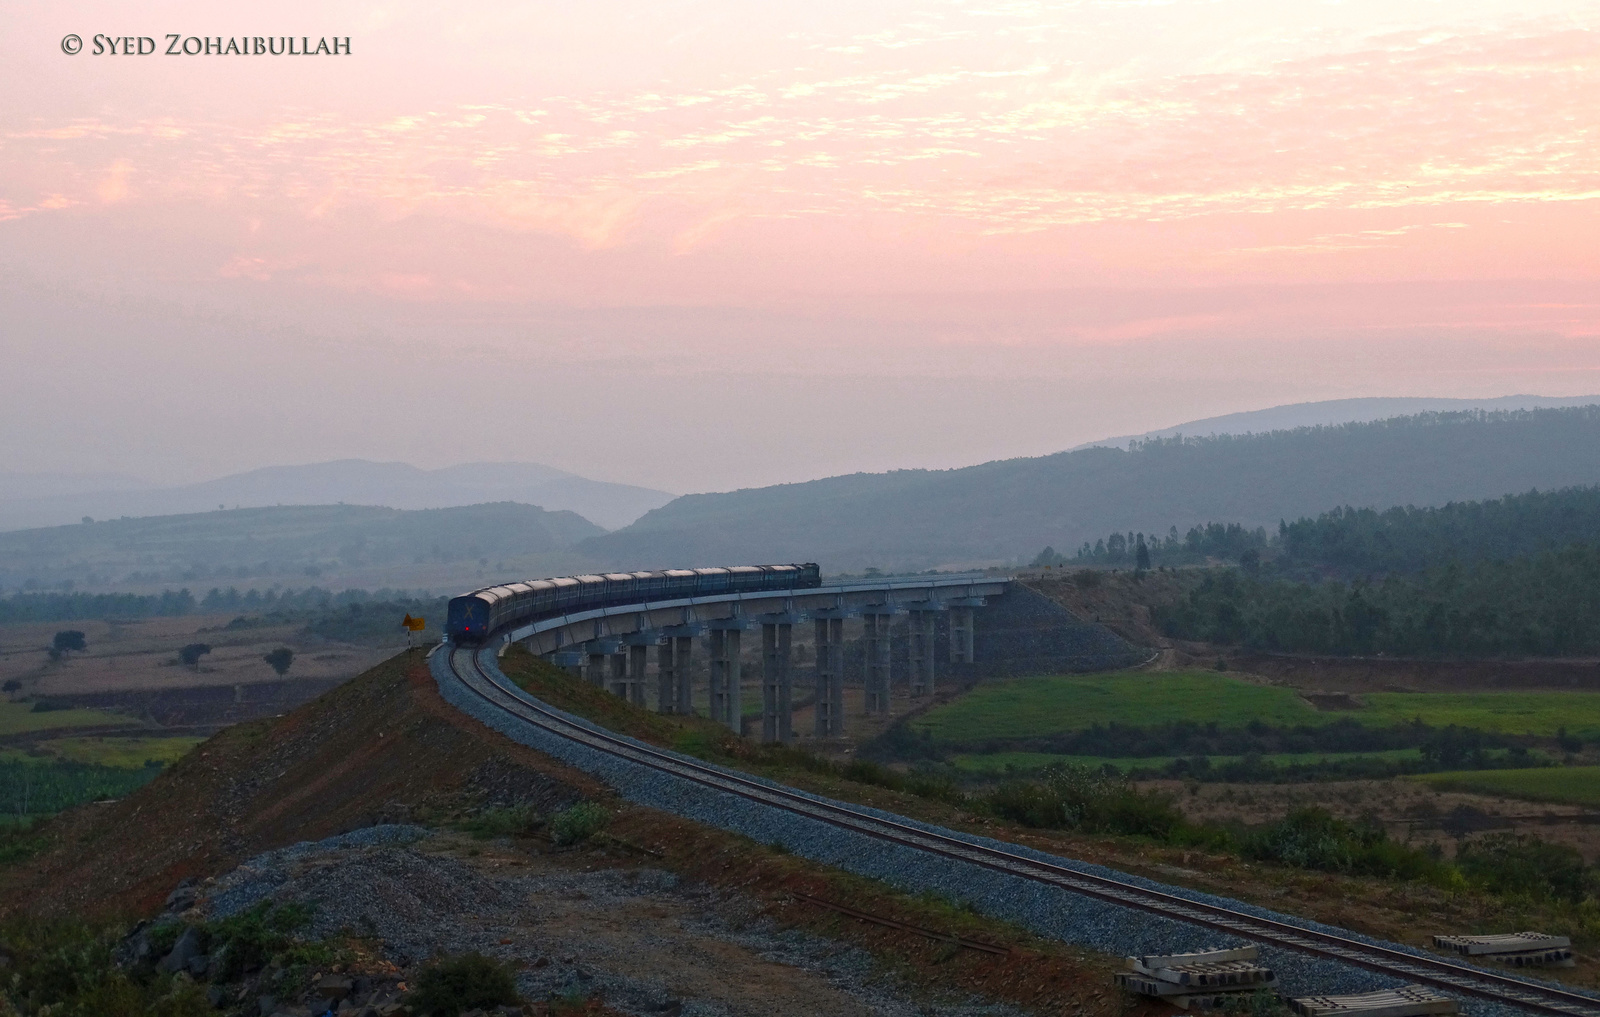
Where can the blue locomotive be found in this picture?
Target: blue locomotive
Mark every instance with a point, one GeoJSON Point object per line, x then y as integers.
{"type": "Point", "coordinates": [476, 616]}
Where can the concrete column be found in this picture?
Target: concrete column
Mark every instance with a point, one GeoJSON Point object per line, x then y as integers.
{"type": "Point", "coordinates": [961, 635]}
{"type": "Point", "coordinates": [619, 675]}
{"type": "Point", "coordinates": [596, 671]}
{"type": "Point", "coordinates": [875, 636]}
{"type": "Point", "coordinates": [777, 687]}
{"type": "Point", "coordinates": [681, 660]}
{"type": "Point", "coordinates": [830, 676]}
{"type": "Point", "coordinates": [666, 678]}
{"type": "Point", "coordinates": [725, 677]}
{"type": "Point", "coordinates": [921, 652]}
{"type": "Point", "coordinates": [638, 663]}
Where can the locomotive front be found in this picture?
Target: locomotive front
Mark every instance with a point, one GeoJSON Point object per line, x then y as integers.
{"type": "Point", "coordinates": [467, 620]}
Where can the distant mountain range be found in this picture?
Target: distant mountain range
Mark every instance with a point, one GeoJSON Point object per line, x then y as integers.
{"type": "Point", "coordinates": [1338, 411]}
{"type": "Point", "coordinates": [1009, 510]}
{"type": "Point", "coordinates": [293, 546]}
{"type": "Point", "coordinates": [33, 500]}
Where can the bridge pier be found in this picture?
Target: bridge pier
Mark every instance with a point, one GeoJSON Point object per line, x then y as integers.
{"type": "Point", "coordinates": [726, 708]}
{"type": "Point", "coordinates": [619, 675]}
{"type": "Point", "coordinates": [875, 621]}
{"type": "Point", "coordinates": [829, 710]}
{"type": "Point", "coordinates": [666, 678]}
{"type": "Point", "coordinates": [777, 683]}
{"type": "Point", "coordinates": [961, 628]}
{"type": "Point", "coordinates": [602, 668]}
{"type": "Point", "coordinates": [638, 642]}
{"type": "Point", "coordinates": [638, 662]}
{"type": "Point", "coordinates": [923, 625]}
{"type": "Point", "coordinates": [680, 639]}
{"type": "Point", "coordinates": [570, 661]}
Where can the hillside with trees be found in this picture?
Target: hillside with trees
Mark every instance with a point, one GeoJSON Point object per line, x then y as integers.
{"type": "Point", "coordinates": [1359, 541]}
{"type": "Point", "coordinates": [1007, 510]}
{"type": "Point", "coordinates": [1518, 575]}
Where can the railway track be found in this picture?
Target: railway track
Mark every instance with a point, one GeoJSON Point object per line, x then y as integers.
{"type": "Point", "coordinates": [1441, 973]}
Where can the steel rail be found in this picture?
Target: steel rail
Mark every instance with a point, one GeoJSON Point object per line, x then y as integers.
{"type": "Point", "coordinates": [1438, 972]}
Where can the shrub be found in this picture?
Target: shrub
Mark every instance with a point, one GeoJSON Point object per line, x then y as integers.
{"type": "Point", "coordinates": [466, 982]}
{"type": "Point", "coordinates": [1520, 864]}
{"type": "Point", "coordinates": [279, 660]}
{"type": "Point", "coordinates": [1312, 838]}
{"type": "Point", "coordinates": [578, 823]}
{"type": "Point", "coordinates": [1092, 800]}
{"type": "Point", "coordinates": [247, 940]}
{"type": "Point", "coordinates": [191, 654]}
{"type": "Point", "coordinates": [66, 969]}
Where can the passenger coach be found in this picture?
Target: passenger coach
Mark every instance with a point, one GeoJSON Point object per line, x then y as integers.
{"type": "Point", "coordinates": [476, 616]}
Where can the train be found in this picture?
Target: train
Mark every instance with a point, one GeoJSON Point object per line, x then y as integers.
{"type": "Point", "coordinates": [474, 617]}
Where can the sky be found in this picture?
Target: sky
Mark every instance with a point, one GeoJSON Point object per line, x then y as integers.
{"type": "Point", "coordinates": [706, 245]}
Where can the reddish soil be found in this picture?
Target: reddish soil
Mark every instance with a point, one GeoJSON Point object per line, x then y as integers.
{"type": "Point", "coordinates": [382, 747]}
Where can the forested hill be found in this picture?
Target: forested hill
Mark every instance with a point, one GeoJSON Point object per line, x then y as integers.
{"type": "Point", "coordinates": [1354, 541]}
{"type": "Point", "coordinates": [1007, 510]}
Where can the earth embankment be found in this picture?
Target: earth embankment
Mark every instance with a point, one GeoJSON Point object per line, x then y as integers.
{"type": "Point", "coordinates": [382, 747]}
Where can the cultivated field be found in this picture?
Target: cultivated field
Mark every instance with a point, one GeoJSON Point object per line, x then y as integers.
{"type": "Point", "coordinates": [1046, 705]}
{"type": "Point", "coordinates": [1571, 785]}
{"type": "Point", "coordinates": [22, 718]}
{"type": "Point", "coordinates": [1031, 707]}
{"type": "Point", "coordinates": [142, 655]}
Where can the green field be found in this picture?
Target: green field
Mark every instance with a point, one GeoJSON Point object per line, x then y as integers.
{"type": "Point", "coordinates": [1534, 713]}
{"type": "Point", "coordinates": [18, 718]}
{"type": "Point", "coordinates": [995, 764]}
{"type": "Point", "coordinates": [1572, 785]}
{"type": "Point", "coordinates": [123, 753]}
{"type": "Point", "coordinates": [1034, 707]}
{"type": "Point", "coordinates": [1030, 707]}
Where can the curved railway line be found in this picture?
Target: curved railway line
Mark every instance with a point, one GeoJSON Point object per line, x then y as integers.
{"type": "Point", "coordinates": [1449, 976]}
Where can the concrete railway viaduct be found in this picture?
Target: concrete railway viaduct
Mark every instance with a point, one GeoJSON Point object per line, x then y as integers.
{"type": "Point", "coordinates": [882, 632]}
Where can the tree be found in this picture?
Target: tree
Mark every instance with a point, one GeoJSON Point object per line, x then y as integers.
{"type": "Point", "coordinates": [279, 660]}
{"type": "Point", "coordinates": [192, 653]}
{"type": "Point", "coordinates": [66, 641]}
{"type": "Point", "coordinates": [11, 686]}
{"type": "Point", "coordinates": [1141, 555]}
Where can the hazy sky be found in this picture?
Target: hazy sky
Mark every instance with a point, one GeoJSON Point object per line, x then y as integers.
{"type": "Point", "coordinates": [699, 245]}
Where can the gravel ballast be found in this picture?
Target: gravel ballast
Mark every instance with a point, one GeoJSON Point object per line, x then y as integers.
{"type": "Point", "coordinates": [635, 937]}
